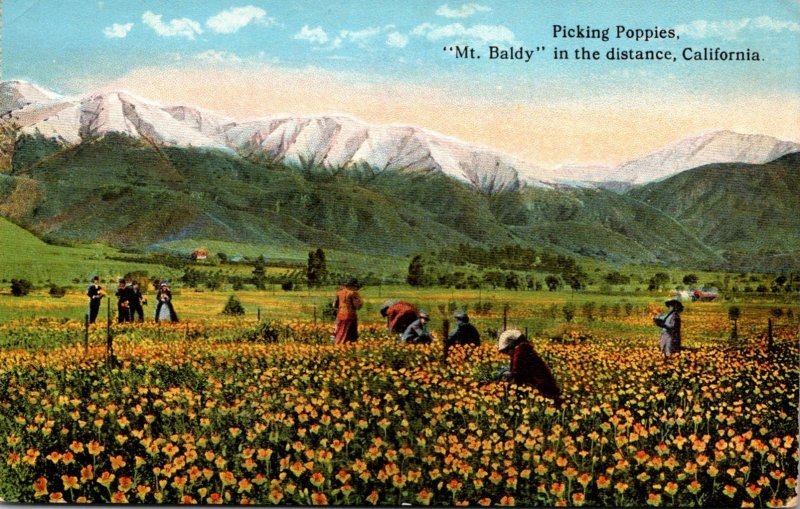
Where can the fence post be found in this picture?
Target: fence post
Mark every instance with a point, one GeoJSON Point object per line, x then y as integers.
{"type": "Point", "coordinates": [445, 333]}
{"type": "Point", "coordinates": [109, 340]}
{"type": "Point", "coordinates": [258, 315]}
{"type": "Point", "coordinates": [769, 335]}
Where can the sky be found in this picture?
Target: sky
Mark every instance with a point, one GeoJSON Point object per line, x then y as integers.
{"type": "Point", "coordinates": [387, 62]}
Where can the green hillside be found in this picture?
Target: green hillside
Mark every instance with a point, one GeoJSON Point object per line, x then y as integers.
{"type": "Point", "coordinates": [605, 225]}
{"type": "Point", "coordinates": [124, 192]}
{"type": "Point", "coordinates": [748, 212]}
{"type": "Point", "coordinates": [23, 256]}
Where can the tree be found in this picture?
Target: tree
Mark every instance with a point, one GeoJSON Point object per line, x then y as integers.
{"type": "Point", "coordinates": [233, 307]}
{"type": "Point", "coordinates": [733, 314]}
{"type": "Point", "coordinates": [690, 279]}
{"type": "Point", "coordinates": [20, 287]}
{"type": "Point", "coordinates": [568, 310]}
{"type": "Point", "coordinates": [658, 281]}
{"type": "Point", "coordinates": [259, 273]}
{"type": "Point", "coordinates": [552, 282]}
{"type": "Point", "coordinates": [316, 269]}
{"type": "Point", "coordinates": [222, 257]}
{"type": "Point", "coordinates": [416, 271]}
{"type": "Point", "coordinates": [191, 278]}
{"type": "Point", "coordinates": [214, 281]}
{"type": "Point", "coordinates": [512, 281]}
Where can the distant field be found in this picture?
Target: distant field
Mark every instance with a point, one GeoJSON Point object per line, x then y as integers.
{"type": "Point", "coordinates": [24, 256]}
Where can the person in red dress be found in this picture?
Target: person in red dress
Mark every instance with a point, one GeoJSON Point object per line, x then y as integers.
{"type": "Point", "coordinates": [399, 315]}
{"type": "Point", "coordinates": [348, 302]}
{"type": "Point", "coordinates": [527, 367]}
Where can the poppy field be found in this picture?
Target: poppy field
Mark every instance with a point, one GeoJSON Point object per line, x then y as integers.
{"type": "Point", "coordinates": [270, 412]}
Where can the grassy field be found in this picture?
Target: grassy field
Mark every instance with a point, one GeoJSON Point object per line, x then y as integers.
{"type": "Point", "coordinates": [24, 256]}
{"type": "Point", "coordinates": [540, 312]}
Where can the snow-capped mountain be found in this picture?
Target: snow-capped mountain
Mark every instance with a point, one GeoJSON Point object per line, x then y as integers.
{"type": "Point", "coordinates": [714, 147]}
{"type": "Point", "coordinates": [15, 95]}
{"type": "Point", "coordinates": [341, 141]}
{"type": "Point", "coordinates": [333, 141]}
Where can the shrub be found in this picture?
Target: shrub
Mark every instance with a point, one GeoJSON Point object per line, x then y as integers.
{"type": "Point", "coordinates": [568, 310]}
{"type": "Point", "coordinates": [233, 307]}
{"type": "Point", "coordinates": [20, 287]}
{"type": "Point", "coordinates": [57, 291]}
{"type": "Point", "coordinates": [265, 331]}
{"type": "Point", "coordinates": [287, 286]}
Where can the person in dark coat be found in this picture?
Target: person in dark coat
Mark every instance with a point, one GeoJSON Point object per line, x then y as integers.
{"type": "Point", "coordinates": [465, 333]}
{"type": "Point", "coordinates": [123, 302]}
{"type": "Point", "coordinates": [399, 315]}
{"type": "Point", "coordinates": [137, 300]}
{"type": "Point", "coordinates": [670, 323]}
{"type": "Point", "coordinates": [165, 312]}
{"type": "Point", "coordinates": [95, 293]}
{"type": "Point", "coordinates": [417, 333]}
{"type": "Point", "coordinates": [527, 367]}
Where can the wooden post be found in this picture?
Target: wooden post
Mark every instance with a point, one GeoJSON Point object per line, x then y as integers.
{"type": "Point", "coordinates": [769, 335]}
{"type": "Point", "coordinates": [86, 335]}
{"type": "Point", "coordinates": [445, 333]}
{"type": "Point", "coordinates": [258, 315]}
{"type": "Point", "coordinates": [109, 340]}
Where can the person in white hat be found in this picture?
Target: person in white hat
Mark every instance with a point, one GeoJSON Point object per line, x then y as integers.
{"type": "Point", "coordinates": [527, 367]}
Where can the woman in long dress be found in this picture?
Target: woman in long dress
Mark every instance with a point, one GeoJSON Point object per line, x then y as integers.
{"type": "Point", "coordinates": [165, 312]}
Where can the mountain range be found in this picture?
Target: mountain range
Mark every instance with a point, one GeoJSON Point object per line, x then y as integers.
{"type": "Point", "coordinates": [337, 141]}
{"type": "Point", "coordinates": [120, 169]}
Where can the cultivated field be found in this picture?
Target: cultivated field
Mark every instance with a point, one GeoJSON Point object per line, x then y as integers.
{"type": "Point", "coordinates": [233, 410]}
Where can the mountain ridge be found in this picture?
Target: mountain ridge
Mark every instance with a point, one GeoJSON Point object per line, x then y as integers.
{"type": "Point", "coordinates": [342, 141]}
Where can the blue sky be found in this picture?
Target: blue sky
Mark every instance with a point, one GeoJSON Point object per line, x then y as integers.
{"type": "Point", "coordinates": [72, 45]}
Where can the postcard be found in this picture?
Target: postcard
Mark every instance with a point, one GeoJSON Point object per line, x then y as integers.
{"type": "Point", "coordinates": [447, 253]}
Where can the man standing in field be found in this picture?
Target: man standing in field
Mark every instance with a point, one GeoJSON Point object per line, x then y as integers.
{"type": "Point", "coordinates": [348, 302]}
{"type": "Point", "coordinates": [123, 302]}
{"type": "Point", "coordinates": [95, 294]}
{"type": "Point", "coordinates": [137, 299]}
{"type": "Point", "coordinates": [399, 315]}
{"type": "Point", "coordinates": [527, 367]}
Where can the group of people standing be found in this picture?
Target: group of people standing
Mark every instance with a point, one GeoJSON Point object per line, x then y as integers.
{"type": "Point", "coordinates": [131, 301]}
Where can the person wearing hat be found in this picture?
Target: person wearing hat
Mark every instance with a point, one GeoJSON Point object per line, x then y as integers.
{"type": "Point", "coordinates": [399, 315]}
{"type": "Point", "coordinates": [95, 293]}
{"type": "Point", "coordinates": [123, 302]}
{"type": "Point", "coordinates": [527, 367]}
{"type": "Point", "coordinates": [464, 334]}
{"type": "Point", "coordinates": [670, 323]}
{"type": "Point", "coordinates": [137, 299]}
{"type": "Point", "coordinates": [417, 333]}
{"type": "Point", "coordinates": [348, 302]}
{"type": "Point", "coordinates": [165, 312]}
